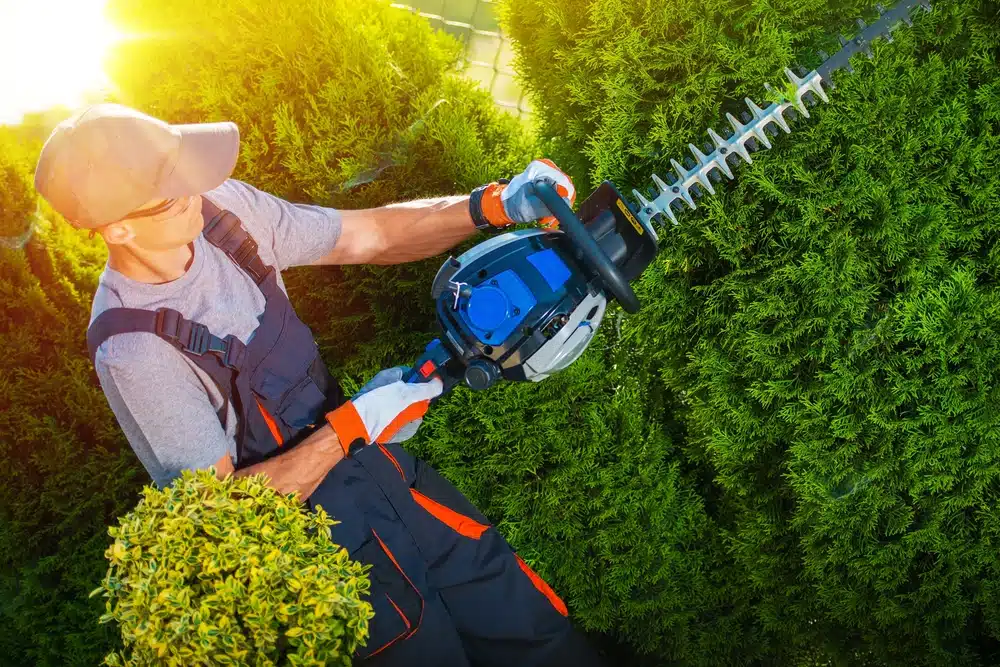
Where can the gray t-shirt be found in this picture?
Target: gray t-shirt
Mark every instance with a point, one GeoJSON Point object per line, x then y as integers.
{"type": "Point", "coordinates": [164, 403]}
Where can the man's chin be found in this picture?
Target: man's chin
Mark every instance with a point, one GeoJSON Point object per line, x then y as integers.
{"type": "Point", "coordinates": [174, 245]}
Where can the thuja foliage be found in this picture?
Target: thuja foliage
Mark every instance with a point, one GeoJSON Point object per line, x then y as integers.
{"type": "Point", "coordinates": [828, 324]}
{"type": "Point", "coordinates": [65, 474]}
{"type": "Point", "coordinates": [342, 103]}
{"type": "Point", "coordinates": [209, 571]}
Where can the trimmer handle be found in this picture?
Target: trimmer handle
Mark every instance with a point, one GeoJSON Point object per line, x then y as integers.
{"type": "Point", "coordinates": [436, 361]}
{"type": "Point", "coordinates": [593, 256]}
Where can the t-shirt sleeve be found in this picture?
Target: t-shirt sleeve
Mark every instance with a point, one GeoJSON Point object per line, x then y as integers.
{"type": "Point", "coordinates": [299, 233]}
{"type": "Point", "coordinates": [163, 408]}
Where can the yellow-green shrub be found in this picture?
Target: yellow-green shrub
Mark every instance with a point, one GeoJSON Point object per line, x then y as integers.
{"type": "Point", "coordinates": [210, 571]}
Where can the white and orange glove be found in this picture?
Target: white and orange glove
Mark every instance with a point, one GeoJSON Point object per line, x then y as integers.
{"type": "Point", "coordinates": [385, 410]}
{"type": "Point", "coordinates": [501, 204]}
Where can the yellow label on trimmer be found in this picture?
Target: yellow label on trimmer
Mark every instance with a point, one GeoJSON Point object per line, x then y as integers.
{"type": "Point", "coordinates": [631, 218]}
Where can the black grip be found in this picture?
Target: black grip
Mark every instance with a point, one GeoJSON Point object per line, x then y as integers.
{"type": "Point", "coordinates": [593, 256]}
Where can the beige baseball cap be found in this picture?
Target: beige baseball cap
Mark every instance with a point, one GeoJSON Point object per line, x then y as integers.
{"type": "Point", "coordinates": [108, 160]}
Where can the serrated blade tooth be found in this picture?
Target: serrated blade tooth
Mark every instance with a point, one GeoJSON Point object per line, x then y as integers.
{"type": "Point", "coordinates": [700, 173]}
{"type": "Point", "coordinates": [735, 143]}
{"type": "Point", "coordinates": [660, 184]}
{"type": "Point", "coordinates": [782, 105]}
{"type": "Point", "coordinates": [724, 167]}
{"type": "Point", "coordinates": [670, 214]}
{"type": "Point", "coordinates": [721, 160]}
{"type": "Point", "coordinates": [646, 212]}
{"type": "Point", "coordinates": [682, 190]}
{"type": "Point", "coordinates": [681, 172]}
{"type": "Point", "coordinates": [737, 125]}
{"type": "Point", "coordinates": [686, 196]}
{"type": "Point", "coordinates": [699, 157]}
{"type": "Point", "coordinates": [758, 113]}
{"type": "Point", "coordinates": [780, 119]}
{"type": "Point", "coordinates": [716, 138]}
{"type": "Point", "coordinates": [817, 88]}
{"type": "Point", "coordinates": [643, 202]}
{"type": "Point", "coordinates": [811, 82]}
{"type": "Point", "coordinates": [798, 83]}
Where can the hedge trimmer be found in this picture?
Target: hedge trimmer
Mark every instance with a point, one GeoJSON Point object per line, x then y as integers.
{"type": "Point", "coordinates": [526, 304]}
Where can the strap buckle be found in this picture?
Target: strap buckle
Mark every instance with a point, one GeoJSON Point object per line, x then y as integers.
{"type": "Point", "coordinates": [246, 252]}
{"type": "Point", "coordinates": [168, 324]}
{"type": "Point", "coordinates": [247, 258]}
{"type": "Point", "coordinates": [234, 353]}
{"type": "Point", "coordinates": [199, 340]}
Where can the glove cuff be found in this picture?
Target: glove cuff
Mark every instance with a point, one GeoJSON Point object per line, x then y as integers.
{"type": "Point", "coordinates": [346, 422]}
{"type": "Point", "coordinates": [486, 206]}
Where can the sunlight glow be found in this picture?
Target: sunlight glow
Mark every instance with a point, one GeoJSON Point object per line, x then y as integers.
{"type": "Point", "coordinates": [51, 53]}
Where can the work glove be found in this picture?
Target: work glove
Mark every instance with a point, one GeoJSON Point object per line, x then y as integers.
{"type": "Point", "coordinates": [388, 376]}
{"type": "Point", "coordinates": [385, 410]}
{"type": "Point", "coordinates": [501, 204]}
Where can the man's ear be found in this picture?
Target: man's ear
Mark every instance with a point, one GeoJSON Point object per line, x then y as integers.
{"type": "Point", "coordinates": [118, 233]}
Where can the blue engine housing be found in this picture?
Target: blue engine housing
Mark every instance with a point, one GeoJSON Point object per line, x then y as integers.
{"type": "Point", "coordinates": [505, 298]}
{"type": "Point", "coordinates": [498, 305]}
{"type": "Point", "coordinates": [512, 291]}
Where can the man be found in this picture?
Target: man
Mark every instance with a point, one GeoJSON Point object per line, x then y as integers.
{"type": "Point", "coordinates": [204, 363]}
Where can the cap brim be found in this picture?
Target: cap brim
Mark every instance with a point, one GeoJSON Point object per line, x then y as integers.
{"type": "Point", "coordinates": [206, 158]}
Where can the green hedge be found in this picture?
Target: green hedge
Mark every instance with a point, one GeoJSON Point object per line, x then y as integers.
{"type": "Point", "coordinates": [67, 471]}
{"type": "Point", "coordinates": [827, 326]}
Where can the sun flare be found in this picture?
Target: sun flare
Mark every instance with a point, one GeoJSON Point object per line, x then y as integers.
{"type": "Point", "coordinates": [52, 53]}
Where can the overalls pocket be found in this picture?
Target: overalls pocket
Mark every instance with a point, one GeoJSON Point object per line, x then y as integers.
{"type": "Point", "coordinates": [298, 401]}
{"type": "Point", "coordinates": [303, 405]}
{"type": "Point", "coordinates": [444, 502]}
{"type": "Point", "coordinates": [397, 603]}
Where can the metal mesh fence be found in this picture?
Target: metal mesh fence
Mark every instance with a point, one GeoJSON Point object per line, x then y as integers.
{"type": "Point", "coordinates": [488, 57]}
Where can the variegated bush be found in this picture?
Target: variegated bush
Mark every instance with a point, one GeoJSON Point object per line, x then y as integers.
{"type": "Point", "coordinates": [210, 571]}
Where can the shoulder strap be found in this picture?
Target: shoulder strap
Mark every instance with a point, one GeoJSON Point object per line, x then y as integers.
{"type": "Point", "coordinates": [224, 230]}
{"type": "Point", "coordinates": [169, 325]}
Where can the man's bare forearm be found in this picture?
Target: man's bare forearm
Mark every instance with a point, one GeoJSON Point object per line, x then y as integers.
{"type": "Point", "coordinates": [423, 228]}
{"type": "Point", "coordinates": [304, 466]}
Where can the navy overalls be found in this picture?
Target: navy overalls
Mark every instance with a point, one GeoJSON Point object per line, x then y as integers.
{"type": "Point", "coordinates": [446, 588]}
